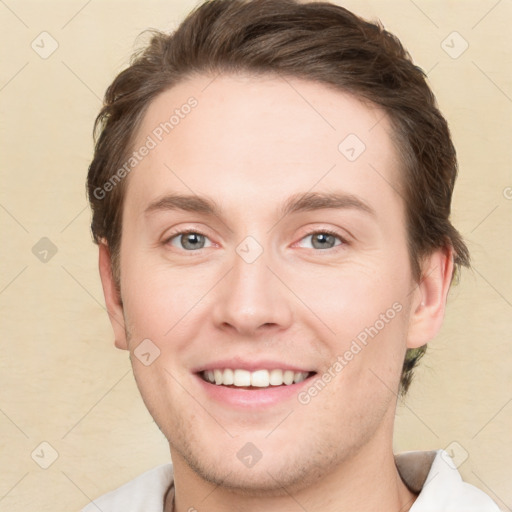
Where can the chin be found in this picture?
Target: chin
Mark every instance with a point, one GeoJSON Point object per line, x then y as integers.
{"type": "Point", "coordinates": [277, 473]}
{"type": "Point", "coordinates": [270, 479]}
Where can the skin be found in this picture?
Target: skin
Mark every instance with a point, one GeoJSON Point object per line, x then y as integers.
{"type": "Point", "coordinates": [250, 144]}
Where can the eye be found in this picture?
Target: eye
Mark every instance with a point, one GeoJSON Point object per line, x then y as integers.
{"type": "Point", "coordinates": [324, 239]}
{"type": "Point", "coordinates": [188, 240]}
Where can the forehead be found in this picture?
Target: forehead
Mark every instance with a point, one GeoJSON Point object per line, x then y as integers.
{"type": "Point", "coordinates": [241, 134]}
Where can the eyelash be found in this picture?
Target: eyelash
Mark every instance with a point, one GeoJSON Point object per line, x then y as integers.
{"type": "Point", "coordinates": [315, 232]}
{"type": "Point", "coordinates": [326, 231]}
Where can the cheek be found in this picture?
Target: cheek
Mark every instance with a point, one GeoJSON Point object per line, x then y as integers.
{"type": "Point", "coordinates": [161, 392]}
{"type": "Point", "coordinates": [367, 315]}
{"type": "Point", "coordinates": [352, 299]}
{"type": "Point", "coordinates": [372, 358]}
{"type": "Point", "coordinates": [358, 387]}
{"type": "Point", "coordinates": [159, 300]}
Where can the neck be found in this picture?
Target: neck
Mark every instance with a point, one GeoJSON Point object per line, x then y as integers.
{"type": "Point", "coordinates": [366, 482]}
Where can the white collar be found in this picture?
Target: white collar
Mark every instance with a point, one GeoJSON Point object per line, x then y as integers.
{"type": "Point", "coordinates": [431, 474]}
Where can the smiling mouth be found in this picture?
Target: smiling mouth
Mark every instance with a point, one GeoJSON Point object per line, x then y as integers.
{"type": "Point", "coordinates": [259, 379]}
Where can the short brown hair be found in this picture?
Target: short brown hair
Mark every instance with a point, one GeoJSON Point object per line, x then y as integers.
{"type": "Point", "coordinates": [315, 41]}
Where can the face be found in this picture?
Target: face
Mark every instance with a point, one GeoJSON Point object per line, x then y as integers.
{"type": "Point", "coordinates": [264, 249]}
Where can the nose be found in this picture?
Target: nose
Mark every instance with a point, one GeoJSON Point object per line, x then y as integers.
{"type": "Point", "coordinates": [251, 299]}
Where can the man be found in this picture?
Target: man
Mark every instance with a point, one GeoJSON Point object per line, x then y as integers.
{"type": "Point", "coordinates": [271, 192]}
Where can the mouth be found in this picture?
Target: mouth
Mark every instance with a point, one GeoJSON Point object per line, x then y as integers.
{"type": "Point", "coordinates": [254, 380]}
{"type": "Point", "coordinates": [251, 383]}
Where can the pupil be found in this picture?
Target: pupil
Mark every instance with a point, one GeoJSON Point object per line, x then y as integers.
{"type": "Point", "coordinates": [192, 240]}
{"type": "Point", "coordinates": [324, 238]}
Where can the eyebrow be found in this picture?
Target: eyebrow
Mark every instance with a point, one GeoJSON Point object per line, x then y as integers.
{"type": "Point", "coordinates": [301, 202]}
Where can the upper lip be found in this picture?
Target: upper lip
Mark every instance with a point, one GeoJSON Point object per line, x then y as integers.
{"type": "Point", "coordinates": [241, 364]}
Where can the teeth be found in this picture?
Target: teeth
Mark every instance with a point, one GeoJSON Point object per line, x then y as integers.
{"type": "Point", "coordinates": [276, 377]}
{"type": "Point", "coordinates": [242, 378]}
{"type": "Point", "coordinates": [258, 378]}
{"type": "Point", "coordinates": [288, 377]}
{"type": "Point", "coordinates": [299, 376]}
{"type": "Point", "coordinates": [228, 377]}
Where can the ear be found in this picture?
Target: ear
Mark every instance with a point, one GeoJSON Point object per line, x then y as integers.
{"type": "Point", "coordinates": [112, 297]}
{"type": "Point", "coordinates": [429, 303]}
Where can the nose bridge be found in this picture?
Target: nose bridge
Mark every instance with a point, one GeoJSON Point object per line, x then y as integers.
{"type": "Point", "coordinates": [251, 297]}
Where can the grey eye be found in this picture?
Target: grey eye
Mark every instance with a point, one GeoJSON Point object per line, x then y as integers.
{"type": "Point", "coordinates": [189, 241]}
{"type": "Point", "coordinates": [322, 240]}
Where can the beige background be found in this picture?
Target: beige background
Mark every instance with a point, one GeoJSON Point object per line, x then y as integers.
{"type": "Point", "coordinates": [61, 379]}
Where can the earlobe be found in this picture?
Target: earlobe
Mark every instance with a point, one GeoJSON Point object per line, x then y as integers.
{"type": "Point", "coordinates": [430, 296]}
{"type": "Point", "coordinates": [112, 296]}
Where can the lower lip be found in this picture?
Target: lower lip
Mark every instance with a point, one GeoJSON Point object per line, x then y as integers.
{"type": "Point", "coordinates": [252, 398]}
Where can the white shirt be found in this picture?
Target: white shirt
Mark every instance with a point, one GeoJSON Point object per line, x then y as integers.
{"type": "Point", "coordinates": [431, 474]}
